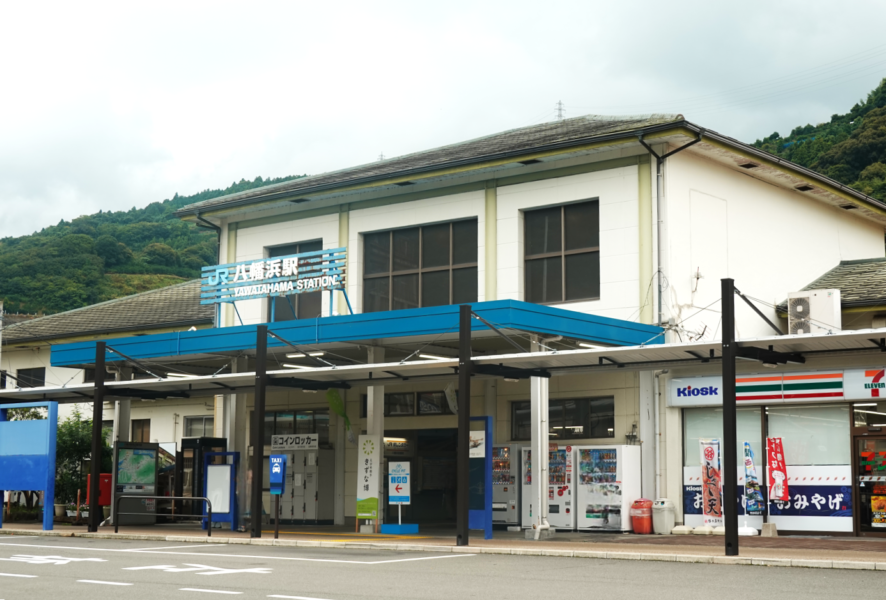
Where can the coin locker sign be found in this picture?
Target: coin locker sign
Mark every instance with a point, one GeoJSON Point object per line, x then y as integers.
{"type": "Point", "coordinates": [310, 441]}
{"type": "Point", "coordinates": [369, 451]}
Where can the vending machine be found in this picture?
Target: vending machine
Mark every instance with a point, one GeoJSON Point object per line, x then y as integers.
{"type": "Point", "coordinates": [561, 509]}
{"type": "Point", "coordinates": [505, 485]}
{"type": "Point", "coordinates": [608, 482]}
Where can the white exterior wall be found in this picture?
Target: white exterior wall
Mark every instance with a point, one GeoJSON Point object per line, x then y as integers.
{"type": "Point", "coordinates": [771, 241]}
{"type": "Point", "coordinates": [469, 205]}
{"type": "Point", "coordinates": [617, 191]}
{"type": "Point", "coordinates": [253, 241]}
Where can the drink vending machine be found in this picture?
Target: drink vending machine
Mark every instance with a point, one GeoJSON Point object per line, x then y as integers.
{"type": "Point", "coordinates": [608, 482]}
{"type": "Point", "coordinates": [505, 487]}
{"type": "Point", "coordinates": [561, 509]}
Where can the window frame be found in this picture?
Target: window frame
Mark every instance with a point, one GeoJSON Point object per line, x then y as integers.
{"type": "Point", "coordinates": [295, 297]}
{"type": "Point", "coordinates": [562, 253]}
{"type": "Point", "coordinates": [24, 375]}
{"type": "Point", "coordinates": [188, 419]}
{"type": "Point", "coordinates": [516, 404]}
{"type": "Point", "coordinates": [140, 423]}
{"type": "Point", "coordinates": [421, 270]}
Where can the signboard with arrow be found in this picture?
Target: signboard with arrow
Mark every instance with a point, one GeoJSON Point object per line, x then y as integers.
{"type": "Point", "coordinates": [399, 483]}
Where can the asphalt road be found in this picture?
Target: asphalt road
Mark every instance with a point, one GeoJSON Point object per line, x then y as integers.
{"type": "Point", "coordinates": [35, 568]}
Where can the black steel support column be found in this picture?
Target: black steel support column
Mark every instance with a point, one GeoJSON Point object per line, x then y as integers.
{"type": "Point", "coordinates": [98, 402]}
{"type": "Point", "coordinates": [258, 425]}
{"type": "Point", "coordinates": [730, 460]}
{"type": "Point", "coordinates": [463, 469]}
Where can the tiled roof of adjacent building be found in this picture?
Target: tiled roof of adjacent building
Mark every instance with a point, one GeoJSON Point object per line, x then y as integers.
{"type": "Point", "coordinates": [861, 283]}
{"type": "Point", "coordinates": [507, 143]}
{"type": "Point", "coordinates": [173, 306]}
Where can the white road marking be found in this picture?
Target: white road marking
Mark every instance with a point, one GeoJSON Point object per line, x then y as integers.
{"type": "Point", "coordinates": [294, 597]}
{"type": "Point", "coordinates": [208, 591]}
{"type": "Point", "coordinates": [102, 582]}
{"type": "Point", "coordinates": [205, 554]}
{"type": "Point", "coordinates": [16, 575]}
{"type": "Point", "coordinates": [191, 567]}
{"type": "Point", "coordinates": [33, 559]}
{"type": "Point", "coordinates": [176, 547]}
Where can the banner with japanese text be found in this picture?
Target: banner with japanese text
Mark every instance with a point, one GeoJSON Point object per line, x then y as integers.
{"type": "Point", "coordinates": [754, 503]}
{"type": "Point", "coordinates": [712, 504]}
{"type": "Point", "coordinates": [369, 451]}
{"type": "Point", "coordinates": [776, 470]}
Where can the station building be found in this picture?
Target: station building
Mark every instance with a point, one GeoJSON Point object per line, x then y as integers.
{"type": "Point", "coordinates": [596, 246]}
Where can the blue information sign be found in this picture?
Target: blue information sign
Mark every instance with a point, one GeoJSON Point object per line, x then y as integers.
{"type": "Point", "coordinates": [278, 473]}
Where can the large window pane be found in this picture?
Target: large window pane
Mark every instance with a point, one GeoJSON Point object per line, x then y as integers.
{"type": "Point", "coordinates": [269, 428]}
{"type": "Point", "coordinates": [433, 403]}
{"type": "Point", "coordinates": [580, 418]}
{"type": "Point", "coordinates": [286, 250]}
{"type": "Point", "coordinates": [285, 423]}
{"type": "Point", "coordinates": [435, 246]}
{"type": "Point", "coordinates": [283, 309]}
{"type": "Point", "coordinates": [521, 422]}
{"type": "Point", "coordinates": [707, 423]}
{"type": "Point", "coordinates": [304, 422]}
{"type": "Point", "coordinates": [405, 292]}
{"type": "Point", "coordinates": [812, 435]}
{"type": "Point", "coordinates": [582, 225]}
{"type": "Point", "coordinates": [375, 295]}
{"type": "Point", "coordinates": [310, 246]}
{"type": "Point", "coordinates": [435, 288]}
{"type": "Point", "coordinates": [464, 242]}
{"type": "Point", "coordinates": [464, 285]}
{"type": "Point", "coordinates": [583, 276]}
{"type": "Point", "coordinates": [321, 426]}
{"type": "Point", "coordinates": [35, 377]}
{"type": "Point", "coordinates": [542, 231]}
{"type": "Point", "coordinates": [400, 404]}
{"type": "Point", "coordinates": [377, 253]}
{"type": "Point", "coordinates": [310, 305]}
{"type": "Point", "coordinates": [543, 280]}
{"type": "Point", "coordinates": [406, 249]}
{"type": "Point", "coordinates": [601, 420]}
{"type": "Point", "coordinates": [870, 414]}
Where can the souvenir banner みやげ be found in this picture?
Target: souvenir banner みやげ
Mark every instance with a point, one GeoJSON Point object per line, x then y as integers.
{"type": "Point", "coordinates": [777, 470]}
{"type": "Point", "coordinates": [753, 496]}
{"type": "Point", "coordinates": [712, 500]}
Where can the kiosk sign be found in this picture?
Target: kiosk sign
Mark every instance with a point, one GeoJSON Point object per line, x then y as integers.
{"type": "Point", "coordinates": [321, 270]}
{"type": "Point", "coordinates": [278, 473]}
{"type": "Point", "coordinates": [399, 483]}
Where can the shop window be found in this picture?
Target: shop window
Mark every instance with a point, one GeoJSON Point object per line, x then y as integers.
{"type": "Point", "coordinates": [869, 414]}
{"type": "Point", "coordinates": [399, 405]}
{"type": "Point", "coordinates": [141, 430]}
{"type": "Point", "coordinates": [430, 265]}
{"type": "Point", "coordinates": [296, 421]}
{"type": "Point", "coordinates": [812, 435]}
{"type": "Point", "coordinates": [707, 423]}
{"type": "Point", "coordinates": [307, 305]}
{"type": "Point", "coordinates": [88, 375]}
{"type": "Point", "coordinates": [199, 426]}
{"type": "Point", "coordinates": [562, 253]}
{"type": "Point", "coordinates": [31, 377]}
{"type": "Point", "coordinates": [570, 419]}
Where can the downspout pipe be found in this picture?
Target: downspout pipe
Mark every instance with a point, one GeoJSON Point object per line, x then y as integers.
{"type": "Point", "coordinates": [218, 232]}
{"type": "Point", "coordinates": [656, 396]}
{"type": "Point", "coordinates": [659, 196]}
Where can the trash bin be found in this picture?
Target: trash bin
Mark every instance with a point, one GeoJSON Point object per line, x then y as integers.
{"type": "Point", "coordinates": [663, 516]}
{"type": "Point", "coordinates": [641, 516]}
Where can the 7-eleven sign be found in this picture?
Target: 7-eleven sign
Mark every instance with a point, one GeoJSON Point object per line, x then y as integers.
{"type": "Point", "coordinates": [864, 384]}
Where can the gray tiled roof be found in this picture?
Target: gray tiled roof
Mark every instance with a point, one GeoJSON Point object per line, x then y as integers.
{"type": "Point", "coordinates": [173, 306]}
{"type": "Point", "coordinates": [513, 142]}
{"type": "Point", "coordinates": [861, 283]}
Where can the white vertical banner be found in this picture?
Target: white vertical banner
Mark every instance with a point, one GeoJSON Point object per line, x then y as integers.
{"type": "Point", "coordinates": [369, 451]}
{"type": "Point", "coordinates": [712, 498]}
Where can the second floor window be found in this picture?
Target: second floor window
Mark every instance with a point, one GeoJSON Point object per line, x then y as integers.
{"type": "Point", "coordinates": [35, 377]}
{"type": "Point", "coordinates": [431, 265]}
{"type": "Point", "coordinates": [295, 306]}
{"type": "Point", "coordinates": [562, 253]}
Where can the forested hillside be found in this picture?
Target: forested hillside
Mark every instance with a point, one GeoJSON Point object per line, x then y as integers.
{"type": "Point", "coordinates": [108, 255]}
{"type": "Point", "coordinates": [850, 148]}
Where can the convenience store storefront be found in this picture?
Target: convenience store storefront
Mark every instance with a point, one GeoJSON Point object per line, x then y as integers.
{"type": "Point", "coordinates": [832, 424]}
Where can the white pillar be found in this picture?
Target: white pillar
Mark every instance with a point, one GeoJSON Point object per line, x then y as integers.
{"type": "Point", "coordinates": [122, 419]}
{"type": "Point", "coordinates": [234, 430]}
{"type": "Point", "coordinates": [375, 398]}
{"type": "Point", "coordinates": [648, 445]}
{"type": "Point", "coordinates": [539, 447]}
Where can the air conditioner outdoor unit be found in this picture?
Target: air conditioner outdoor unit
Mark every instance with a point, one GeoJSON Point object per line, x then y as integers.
{"type": "Point", "coordinates": [814, 311]}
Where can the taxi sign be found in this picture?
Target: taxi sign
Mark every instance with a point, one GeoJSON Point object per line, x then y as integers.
{"type": "Point", "coordinates": [399, 482]}
{"type": "Point", "coordinates": [277, 473]}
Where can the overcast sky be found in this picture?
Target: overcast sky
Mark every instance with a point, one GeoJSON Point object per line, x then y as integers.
{"type": "Point", "coordinates": [110, 106]}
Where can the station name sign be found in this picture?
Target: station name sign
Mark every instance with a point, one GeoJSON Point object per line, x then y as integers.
{"type": "Point", "coordinates": [321, 270]}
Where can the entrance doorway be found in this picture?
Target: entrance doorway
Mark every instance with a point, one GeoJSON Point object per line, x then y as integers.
{"type": "Point", "coordinates": [870, 484]}
{"type": "Point", "coordinates": [433, 465]}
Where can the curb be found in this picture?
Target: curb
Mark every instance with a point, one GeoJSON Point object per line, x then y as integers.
{"type": "Point", "coordinates": [559, 553]}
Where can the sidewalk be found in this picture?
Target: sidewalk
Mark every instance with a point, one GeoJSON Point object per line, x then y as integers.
{"type": "Point", "coordinates": [794, 551]}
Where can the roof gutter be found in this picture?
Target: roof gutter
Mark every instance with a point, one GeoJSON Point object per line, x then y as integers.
{"type": "Point", "coordinates": [185, 211]}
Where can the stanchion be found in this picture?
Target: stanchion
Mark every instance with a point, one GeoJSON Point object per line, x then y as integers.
{"type": "Point", "coordinates": [276, 516]}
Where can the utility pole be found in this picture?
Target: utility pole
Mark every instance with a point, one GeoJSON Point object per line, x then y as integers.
{"type": "Point", "coordinates": [98, 402]}
{"type": "Point", "coordinates": [258, 441]}
{"type": "Point", "coordinates": [463, 461]}
{"type": "Point", "coordinates": [560, 110]}
{"type": "Point", "coordinates": [730, 459]}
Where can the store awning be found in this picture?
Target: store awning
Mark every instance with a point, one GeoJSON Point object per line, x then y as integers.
{"type": "Point", "coordinates": [868, 345]}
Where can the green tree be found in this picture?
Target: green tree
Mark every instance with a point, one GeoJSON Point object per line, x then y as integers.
{"type": "Point", "coordinates": [73, 448]}
{"type": "Point", "coordinates": [160, 254]}
{"type": "Point", "coordinates": [111, 251]}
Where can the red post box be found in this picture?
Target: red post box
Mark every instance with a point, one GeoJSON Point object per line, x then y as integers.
{"type": "Point", "coordinates": [104, 489]}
